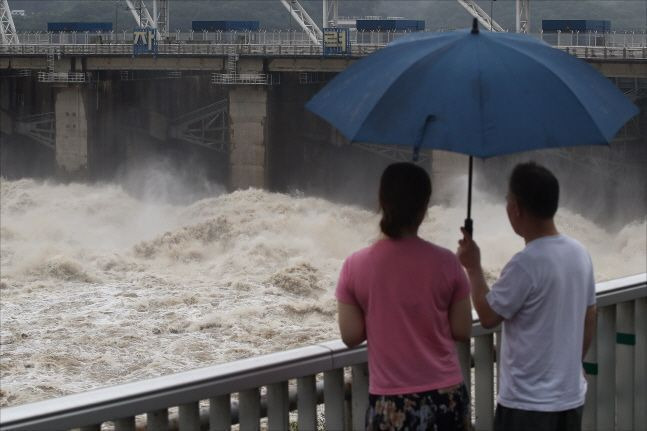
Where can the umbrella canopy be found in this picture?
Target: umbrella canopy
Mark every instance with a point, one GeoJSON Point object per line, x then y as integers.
{"type": "Point", "coordinates": [476, 93]}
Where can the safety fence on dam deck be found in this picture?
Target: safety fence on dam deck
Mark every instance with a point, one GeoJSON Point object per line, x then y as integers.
{"type": "Point", "coordinates": [622, 46]}
{"type": "Point", "coordinates": [326, 385]}
{"type": "Point", "coordinates": [306, 50]}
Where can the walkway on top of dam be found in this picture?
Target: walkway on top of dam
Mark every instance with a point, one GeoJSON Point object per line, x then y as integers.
{"type": "Point", "coordinates": [102, 47]}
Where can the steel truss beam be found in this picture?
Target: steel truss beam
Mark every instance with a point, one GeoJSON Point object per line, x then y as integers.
{"type": "Point", "coordinates": [306, 23]}
{"type": "Point", "coordinates": [522, 12]}
{"type": "Point", "coordinates": [41, 128]}
{"type": "Point", "coordinates": [8, 34]}
{"type": "Point", "coordinates": [484, 19]}
{"type": "Point", "coordinates": [161, 16]}
{"type": "Point", "coordinates": [140, 12]}
{"type": "Point", "coordinates": [160, 19]}
{"type": "Point", "coordinates": [207, 126]}
{"type": "Point", "coordinates": [330, 13]}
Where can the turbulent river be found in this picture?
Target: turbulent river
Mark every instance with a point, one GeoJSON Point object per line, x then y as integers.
{"type": "Point", "coordinates": [98, 287]}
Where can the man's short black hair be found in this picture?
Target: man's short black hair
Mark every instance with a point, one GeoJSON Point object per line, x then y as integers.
{"type": "Point", "coordinates": [536, 189]}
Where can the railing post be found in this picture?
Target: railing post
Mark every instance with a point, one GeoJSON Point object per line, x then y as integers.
{"type": "Point", "coordinates": [590, 366]}
{"type": "Point", "coordinates": [307, 403]}
{"type": "Point", "coordinates": [334, 399]}
{"type": "Point", "coordinates": [465, 361]}
{"type": "Point", "coordinates": [249, 409]}
{"type": "Point", "coordinates": [498, 341]}
{"type": "Point", "coordinates": [640, 359]}
{"type": "Point", "coordinates": [359, 395]}
{"type": "Point", "coordinates": [484, 376]}
{"type": "Point", "coordinates": [220, 413]}
{"type": "Point", "coordinates": [157, 420]}
{"type": "Point", "coordinates": [625, 342]}
{"type": "Point", "coordinates": [606, 350]}
{"type": "Point", "coordinates": [190, 417]}
{"type": "Point", "coordinates": [125, 424]}
{"type": "Point", "coordinates": [278, 405]}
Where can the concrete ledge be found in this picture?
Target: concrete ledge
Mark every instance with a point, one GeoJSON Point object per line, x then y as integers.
{"type": "Point", "coordinates": [159, 63]}
{"type": "Point", "coordinates": [309, 64]}
{"type": "Point", "coordinates": [631, 68]}
{"type": "Point", "coordinates": [23, 63]}
{"type": "Point", "coordinates": [620, 68]}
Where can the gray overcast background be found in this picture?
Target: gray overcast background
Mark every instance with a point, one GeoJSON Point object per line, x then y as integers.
{"type": "Point", "coordinates": [439, 14]}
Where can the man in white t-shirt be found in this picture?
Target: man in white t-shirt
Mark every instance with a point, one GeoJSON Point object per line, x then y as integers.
{"type": "Point", "coordinates": [545, 298]}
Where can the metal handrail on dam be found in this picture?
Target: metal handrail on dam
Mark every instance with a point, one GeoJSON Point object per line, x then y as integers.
{"type": "Point", "coordinates": [214, 397]}
{"type": "Point", "coordinates": [279, 50]}
{"type": "Point", "coordinates": [589, 45]}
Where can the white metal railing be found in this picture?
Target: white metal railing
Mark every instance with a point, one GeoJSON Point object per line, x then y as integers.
{"type": "Point", "coordinates": [72, 77]}
{"type": "Point", "coordinates": [596, 39]}
{"type": "Point", "coordinates": [239, 391]}
{"type": "Point", "coordinates": [232, 78]}
{"type": "Point", "coordinates": [603, 52]}
{"type": "Point", "coordinates": [270, 50]}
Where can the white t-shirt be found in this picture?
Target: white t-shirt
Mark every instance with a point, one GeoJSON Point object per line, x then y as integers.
{"type": "Point", "coordinates": [543, 294]}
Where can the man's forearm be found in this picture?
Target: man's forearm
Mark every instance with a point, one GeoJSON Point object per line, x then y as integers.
{"type": "Point", "coordinates": [488, 317]}
{"type": "Point", "coordinates": [479, 288]}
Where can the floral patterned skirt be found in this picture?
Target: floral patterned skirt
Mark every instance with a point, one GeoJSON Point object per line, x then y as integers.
{"type": "Point", "coordinates": [439, 410]}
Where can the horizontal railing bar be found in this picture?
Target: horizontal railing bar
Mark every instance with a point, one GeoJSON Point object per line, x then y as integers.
{"type": "Point", "coordinates": [620, 283]}
{"type": "Point", "coordinates": [623, 295]}
{"type": "Point", "coordinates": [165, 391]}
{"type": "Point", "coordinates": [607, 293]}
{"type": "Point", "coordinates": [274, 50]}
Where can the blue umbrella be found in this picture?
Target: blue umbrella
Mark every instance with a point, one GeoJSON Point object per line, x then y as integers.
{"type": "Point", "coordinates": [478, 93]}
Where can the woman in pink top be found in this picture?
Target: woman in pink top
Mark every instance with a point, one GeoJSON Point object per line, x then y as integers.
{"type": "Point", "coordinates": [410, 300]}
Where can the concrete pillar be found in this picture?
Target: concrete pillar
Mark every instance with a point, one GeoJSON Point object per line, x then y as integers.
{"type": "Point", "coordinates": [6, 86]}
{"type": "Point", "coordinates": [247, 136]}
{"type": "Point", "coordinates": [71, 132]}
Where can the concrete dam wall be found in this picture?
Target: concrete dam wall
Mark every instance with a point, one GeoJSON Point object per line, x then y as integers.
{"type": "Point", "coordinates": [249, 136]}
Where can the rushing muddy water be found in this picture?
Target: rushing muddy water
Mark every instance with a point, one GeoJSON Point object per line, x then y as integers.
{"type": "Point", "coordinates": [99, 288]}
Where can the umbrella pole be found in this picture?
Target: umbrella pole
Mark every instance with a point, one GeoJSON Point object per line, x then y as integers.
{"type": "Point", "coordinates": [469, 227]}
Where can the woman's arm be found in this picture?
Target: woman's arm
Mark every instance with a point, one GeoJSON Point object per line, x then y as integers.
{"type": "Point", "coordinates": [351, 324]}
{"type": "Point", "coordinates": [460, 320]}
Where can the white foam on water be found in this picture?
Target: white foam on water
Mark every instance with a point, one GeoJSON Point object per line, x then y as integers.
{"type": "Point", "coordinates": [99, 288]}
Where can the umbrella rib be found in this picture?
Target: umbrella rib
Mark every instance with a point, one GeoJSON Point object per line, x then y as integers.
{"type": "Point", "coordinates": [481, 107]}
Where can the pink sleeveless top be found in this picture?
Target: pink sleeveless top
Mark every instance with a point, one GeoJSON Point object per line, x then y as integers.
{"type": "Point", "coordinates": [405, 288]}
